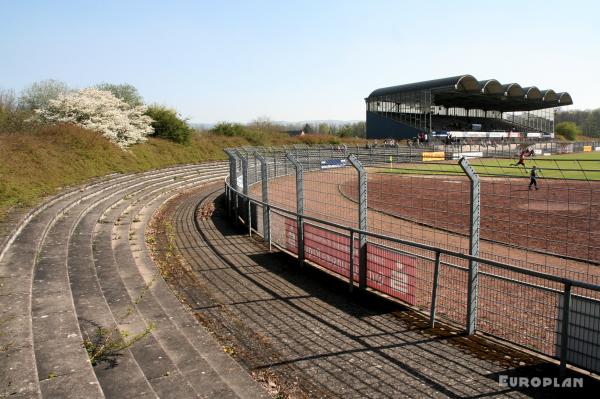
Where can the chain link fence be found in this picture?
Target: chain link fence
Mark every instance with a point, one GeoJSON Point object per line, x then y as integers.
{"type": "Point", "coordinates": [476, 248]}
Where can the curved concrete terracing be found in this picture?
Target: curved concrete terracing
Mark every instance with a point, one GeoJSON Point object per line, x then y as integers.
{"type": "Point", "coordinates": [79, 263]}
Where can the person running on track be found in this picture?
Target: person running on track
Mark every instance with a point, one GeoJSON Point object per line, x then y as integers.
{"type": "Point", "coordinates": [532, 178]}
{"type": "Point", "coordinates": [522, 156]}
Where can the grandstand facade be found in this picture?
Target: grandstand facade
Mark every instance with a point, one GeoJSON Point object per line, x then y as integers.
{"type": "Point", "coordinates": [462, 107]}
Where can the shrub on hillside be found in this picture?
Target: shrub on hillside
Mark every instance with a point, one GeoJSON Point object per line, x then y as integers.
{"type": "Point", "coordinates": [39, 94]}
{"type": "Point", "coordinates": [125, 92]}
{"type": "Point", "coordinates": [12, 118]}
{"type": "Point", "coordinates": [253, 135]}
{"type": "Point", "coordinates": [100, 111]}
{"type": "Point", "coordinates": [229, 129]}
{"type": "Point", "coordinates": [168, 125]}
{"type": "Point", "coordinates": [568, 130]}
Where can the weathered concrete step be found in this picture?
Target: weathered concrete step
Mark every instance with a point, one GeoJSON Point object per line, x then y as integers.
{"type": "Point", "coordinates": [110, 291]}
{"type": "Point", "coordinates": [17, 256]}
{"type": "Point", "coordinates": [50, 290]}
{"type": "Point", "coordinates": [93, 310]}
{"type": "Point", "coordinates": [153, 361]}
{"type": "Point", "coordinates": [230, 373]}
{"type": "Point", "coordinates": [18, 372]}
{"type": "Point", "coordinates": [168, 332]}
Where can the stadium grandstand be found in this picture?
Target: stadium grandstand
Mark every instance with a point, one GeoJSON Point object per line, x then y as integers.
{"type": "Point", "coordinates": [462, 107]}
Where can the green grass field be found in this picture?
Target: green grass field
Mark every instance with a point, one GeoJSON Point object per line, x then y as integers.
{"type": "Point", "coordinates": [581, 166]}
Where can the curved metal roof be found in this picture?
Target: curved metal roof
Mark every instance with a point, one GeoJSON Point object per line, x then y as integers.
{"type": "Point", "coordinates": [564, 98]}
{"type": "Point", "coordinates": [513, 90]}
{"type": "Point", "coordinates": [467, 92]}
{"type": "Point", "coordinates": [549, 95]}
{"type": "Point", "coordinates": [532, 93]}
{"type": "Point", "coordinates": [458, 83]}
{"type": "Point", "coordinates": [491, 86]}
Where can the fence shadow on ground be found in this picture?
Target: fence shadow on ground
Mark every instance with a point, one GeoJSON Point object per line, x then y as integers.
{"type": "Point", "coordinates": [302, 324]}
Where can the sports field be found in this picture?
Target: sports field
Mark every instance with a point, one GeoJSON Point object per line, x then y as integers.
{"type": "Point", "coordinates": [562, 217]}
{"type": "Point", "coordinates": [583, 166]}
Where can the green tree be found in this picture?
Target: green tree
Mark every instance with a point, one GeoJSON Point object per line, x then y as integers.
{"type": "Point", "coordinates": [11, 118]}
{"type": "Point", "coordinates": [38, 94]}
{"type": "Point", "coordinates": [229, 129]}
{"type": "Point", "coordinates": [568, 130]}
{"type": "Point", "coordinates": [324, 128]}
{"type": "Point", "coordinates": [124, 92]}
{"type": "Point", "coordinates": [591, 126]}
{"type": "Point", "coordinates": [169, 125]}
{"type": "Point", "coordinates": [307, 128]}
{"type": "Point", "coordinates": [357, 129]}
{"type": "Point", "coordinates": [8, 100]}
{"type": "Point", "coordinates": [587, 120]}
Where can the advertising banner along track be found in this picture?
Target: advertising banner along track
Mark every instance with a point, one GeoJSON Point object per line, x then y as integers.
{"type": "Point", "coordinates": [388, 271]}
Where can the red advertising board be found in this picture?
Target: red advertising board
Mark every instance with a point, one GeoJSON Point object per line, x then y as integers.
{"type": "Point", "coordinates": [388, 271]}
{"type": "Point", "coordinates": [326, 248]}
{"type": "Point", "coordinates": [330, 249]}
{"type": "Point", "coordinates": [290, 235]}
{"type": "Point", "coordinates": [391, 272]}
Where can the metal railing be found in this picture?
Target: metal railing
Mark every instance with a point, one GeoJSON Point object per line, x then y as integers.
{"type": "Point", "coordinates": [550, 314]}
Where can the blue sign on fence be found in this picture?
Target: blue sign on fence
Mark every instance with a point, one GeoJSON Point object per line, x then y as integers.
{"type": "Point", "coordinates": [333, 163]}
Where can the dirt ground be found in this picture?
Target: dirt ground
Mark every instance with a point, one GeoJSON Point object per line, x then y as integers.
{"type": "Point", "coordinates": [562, 217]}
{"type": "Point", "coordinates": [434, 211]}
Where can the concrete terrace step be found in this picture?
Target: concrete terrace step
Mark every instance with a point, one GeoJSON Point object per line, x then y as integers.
{"type": "Point", "coordinates": [17, 258]}
{"type": "Point", "coordinates": [64, 271]}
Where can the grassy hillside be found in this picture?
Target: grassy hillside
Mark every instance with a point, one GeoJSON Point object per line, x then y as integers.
{"type": "Point", "coordinates": [34, 165]}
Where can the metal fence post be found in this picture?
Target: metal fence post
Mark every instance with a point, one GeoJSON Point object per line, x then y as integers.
{"type": "Point", "coordinates": [299, 206]}
{"type": "Point", "coordinates": [255, 172]}
{"type": "Point", "coordinates": [436, 277]}
{"type": "Point", "coordinates": [232, 177]}
{"type": "Point", "coordinates": [244, 172]}
{"type": "Point", "coordinates": [351, 271]}
{"type": "Point", "coordinates": [249, 221]}
{"type": "Point", "coordinates": [362, 220]}
{"type": "Point", "coordinates": [244, 209]}
{"type": "Point", "coordinates": [473, 246]}
{"type": "Point", "coordinates": [264, 174]}
{"type": "Point", "coordinates": [564, 338]}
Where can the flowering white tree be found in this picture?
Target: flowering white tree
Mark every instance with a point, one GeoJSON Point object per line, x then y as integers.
{"type": "Point", "coordinates": [100, 111]}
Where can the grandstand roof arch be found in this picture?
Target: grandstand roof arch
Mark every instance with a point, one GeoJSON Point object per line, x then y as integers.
{"type": "Point", "coordinates": [513, 90]}
{"type": "Point", "coordinates": [460, 83]}
{"type": "Point", "coordinates": [467, 83]}
{"type": "Point", "coordinates": [549, 95]}
{"type": "Point", "coordinates": [532, 93]}
{"type": "Point", "coordinates": [564, 98]}
{"type": "Point", "coordinates": [491, 86]}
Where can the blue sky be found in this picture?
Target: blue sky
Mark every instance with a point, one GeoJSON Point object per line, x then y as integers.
{"type": "Point", "coordinates": [297, 60]}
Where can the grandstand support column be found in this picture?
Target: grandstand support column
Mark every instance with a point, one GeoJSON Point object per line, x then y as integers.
{"type": "Point", "coordinates": [473, 246]}
{"type": "Point", "coordinates": [264, 175]}
{"type": "Point", "coordinates": [362, 220]}
{"type": "Point", "coordinates": [299, 206]}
